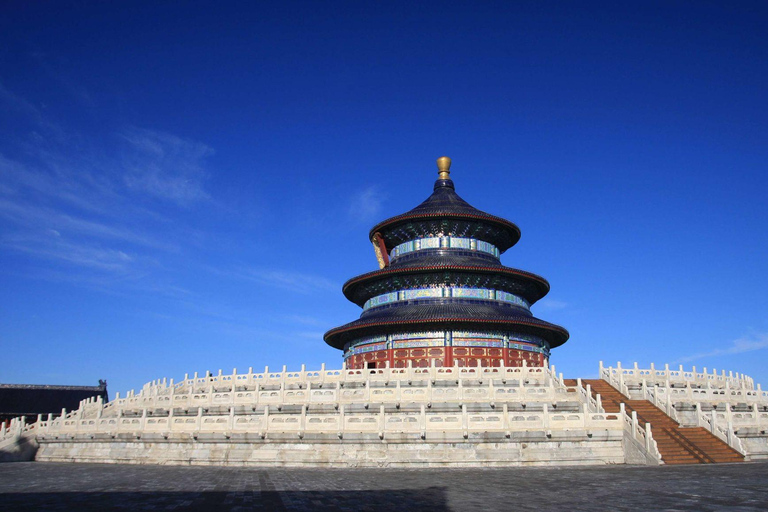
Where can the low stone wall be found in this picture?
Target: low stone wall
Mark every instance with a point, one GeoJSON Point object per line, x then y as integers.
{"type": "Point", "coordinates": [755, 444]}
{"type": "Point", "coordinates": [521, 449]}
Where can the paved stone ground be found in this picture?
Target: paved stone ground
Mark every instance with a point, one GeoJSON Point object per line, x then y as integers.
{"type": "Point", "coordinates": [61, 486]}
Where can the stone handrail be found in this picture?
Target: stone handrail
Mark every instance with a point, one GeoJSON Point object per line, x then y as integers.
{"type": "Point", "coordinates": [658, 397]}
{"type": "Point", "coordinates": [615, 379]}
{"type": "Point", "coordinates": [689, 394]}
{"type": "Point", "coordinates": [528, 374]}
{"type": "Point", "coordinates": [306, 388]}
{"type": "Point", "coordinates": [653, 375]}
{"type": "Point", "coordinates": [335, 395]}
{"type": "Point", "coordinates": [338, 423]}
{"type": "Point", "coordinates": [642, 435]}
{"type": "Point", "coordinates": [16, 427]}
{"type": "Point", "coordinates": [755, 418]}
{"type": "Point", "coordinates": [724, 431]}
{"type": "Point", "coordinates": [593, 403]}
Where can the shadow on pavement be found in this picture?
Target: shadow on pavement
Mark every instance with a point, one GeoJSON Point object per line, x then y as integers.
{"type": "Point", "coordinates": [433, 498]}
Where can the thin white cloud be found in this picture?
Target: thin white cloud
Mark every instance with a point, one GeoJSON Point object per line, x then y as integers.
{"type": "Point", "coordinates": [366, 204]}
{"type": "Point", "coordinates": [165, 166]}
{"type": "Point", "coordinates": [749, 343]}
{"type": "Point", "coordinates": [81, 203]}
{"type": "Point", "coordinates": [287, 280]}
{"type": "Point", "coordinates": [551, 304]}
{"type": "Point", "coordinates": [306, 320]}
{"type": "Point", "coordinates": [33, 217]}
{"type": "Point", "coordinates": [54, 247]}
{"type": "Point", "coordinates": [55, 182]}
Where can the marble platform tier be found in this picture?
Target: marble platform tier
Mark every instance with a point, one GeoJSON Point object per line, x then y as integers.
{"type": "Point", "coordinates": [409, 417]}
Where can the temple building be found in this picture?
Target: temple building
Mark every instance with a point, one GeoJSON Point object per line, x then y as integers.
{"type": "Point", "coordinates": [441, 295]}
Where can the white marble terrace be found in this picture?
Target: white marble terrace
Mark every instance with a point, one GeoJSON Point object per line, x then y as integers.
{"type": "Point", "coordinates": [419, 403]}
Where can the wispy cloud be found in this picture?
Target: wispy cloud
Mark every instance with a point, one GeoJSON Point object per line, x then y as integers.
{"type": "Point", "coordinates": [51, 245]}
{"type": "Point", "coordinates": [34, 217]}
{"type": "Point", "coordinates": [365, 205]}
{"type": "Point", "coordinates": [306, 320]}
{"type": "Point", "coordinates": [97, 204]}
{"type": "Point", "coordinates": [551, 304]}
{"type": "Point", "coordinates": [285, 279]}
{"type": "Point", "coordinates": [749, 343]}
{"type": "Point", "coordinates": [165, 166]}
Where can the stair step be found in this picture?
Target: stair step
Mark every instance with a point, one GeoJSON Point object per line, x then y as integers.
{"type": "Point", "coordinates": [676, 445]}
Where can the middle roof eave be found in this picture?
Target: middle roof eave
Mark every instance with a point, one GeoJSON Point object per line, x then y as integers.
{"type": "Point", "coordinates": [349, 288]}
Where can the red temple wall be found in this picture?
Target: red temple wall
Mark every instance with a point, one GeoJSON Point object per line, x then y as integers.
{"type": "Point", "coordinates": [445, 356]}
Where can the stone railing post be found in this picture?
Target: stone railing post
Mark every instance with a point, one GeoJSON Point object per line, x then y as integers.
{"type": "Point", "coordinates": [265, 422]}
{"type": "Point", "coordinates": [669, 409]}
{"type": "Point", "coordinates": [634, 423]}
{"type": "Point", "coordinates": [464, 420]}
{"type": "Point", "coordinates": [303, 420]}
{"type": "Point", "coordinates": [648, 437]}
{"type": "Point", "coordinates": [382, 422]}
{"type": "Point", "coordinates": [423, 421]}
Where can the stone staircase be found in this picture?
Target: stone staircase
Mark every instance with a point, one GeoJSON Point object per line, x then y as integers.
{"type": "Point", "coordinates": [676, 444]}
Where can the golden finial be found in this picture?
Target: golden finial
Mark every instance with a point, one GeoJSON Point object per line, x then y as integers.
{"type": "Point", "coordinates": [444, 168]}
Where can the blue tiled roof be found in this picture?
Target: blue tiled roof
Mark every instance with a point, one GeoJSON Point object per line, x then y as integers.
{"type": "Point", "coordinates": [445, 313]}
{"type": "Point", "coordinates": [433, 215]}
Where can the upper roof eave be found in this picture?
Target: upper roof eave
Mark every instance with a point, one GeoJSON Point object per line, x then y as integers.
{"type": "Point", "coordinates": [512, 230]}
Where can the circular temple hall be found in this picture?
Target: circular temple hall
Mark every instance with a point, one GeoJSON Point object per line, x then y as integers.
{"type": "Point", "coordinates": [441, 295]}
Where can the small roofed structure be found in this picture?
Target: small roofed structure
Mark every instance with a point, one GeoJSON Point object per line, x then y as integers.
{"type": "Point", "coordinates": [32, 399]}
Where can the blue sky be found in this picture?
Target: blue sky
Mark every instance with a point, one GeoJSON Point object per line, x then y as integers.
{"type": "Point", "coordinates": [185, 187]}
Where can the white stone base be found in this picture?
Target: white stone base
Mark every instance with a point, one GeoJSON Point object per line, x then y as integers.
{"type": "Point", "coordinates": [571, 448]}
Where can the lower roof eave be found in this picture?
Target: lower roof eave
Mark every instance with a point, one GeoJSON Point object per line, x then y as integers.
{"type": "Point", "coordinates": [339, 336]}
